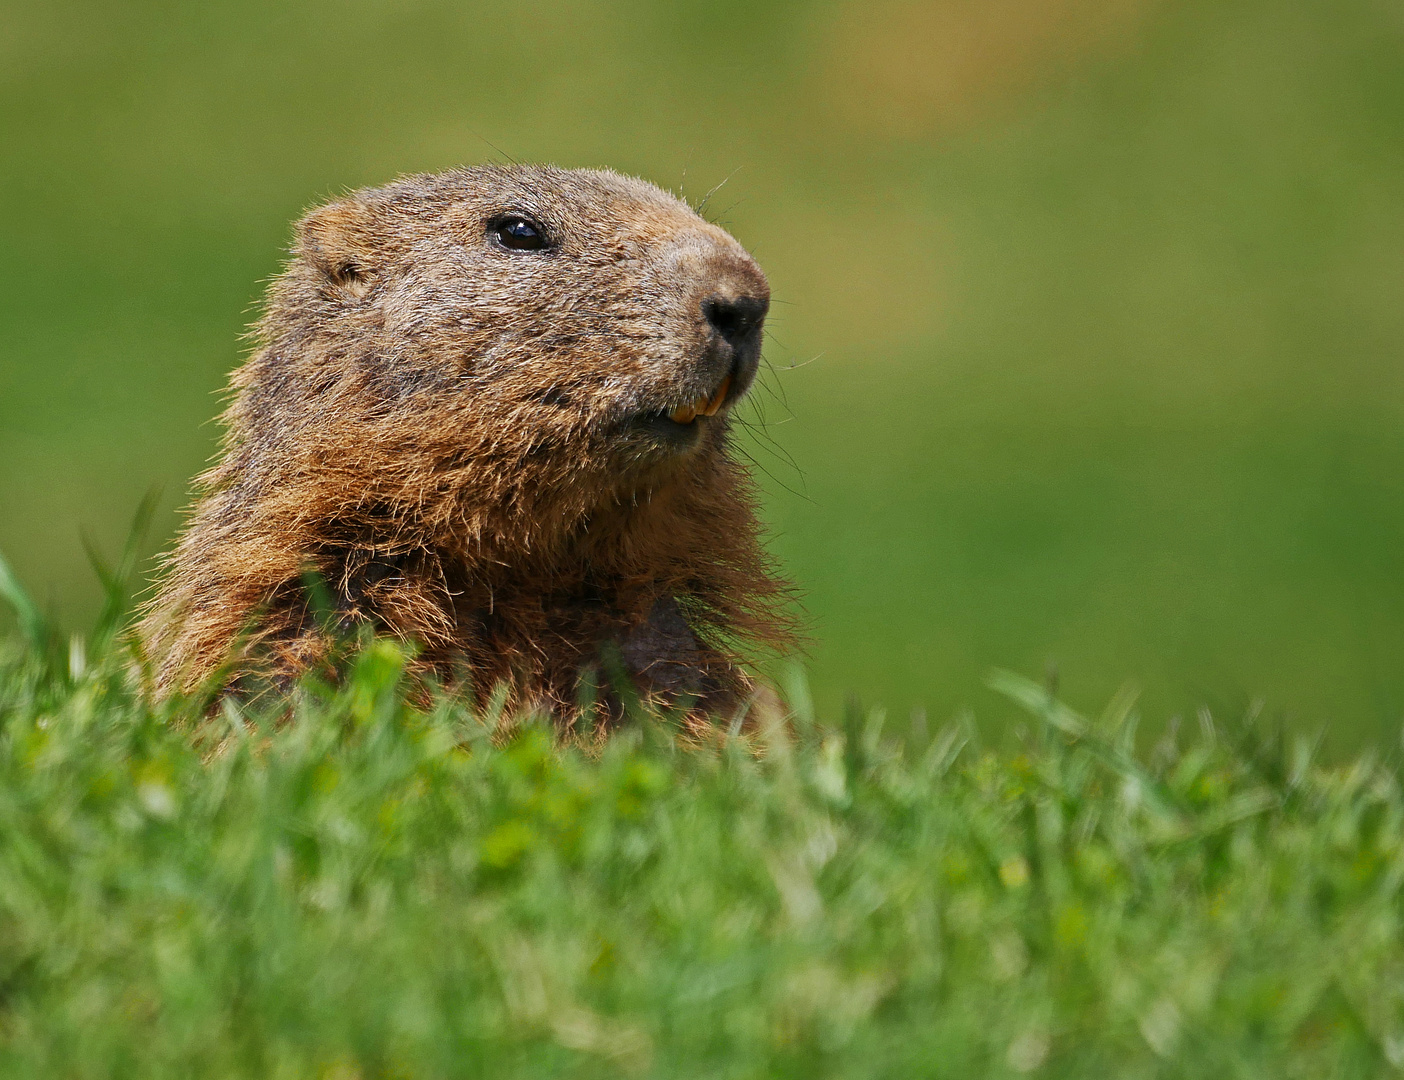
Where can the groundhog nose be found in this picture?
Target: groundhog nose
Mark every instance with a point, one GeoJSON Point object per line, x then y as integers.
{"type": "Point", "coordinates": [737, 319]}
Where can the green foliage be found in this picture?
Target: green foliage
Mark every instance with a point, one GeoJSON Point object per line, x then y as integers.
{"type": "Point", "coordinates": [362, 887]}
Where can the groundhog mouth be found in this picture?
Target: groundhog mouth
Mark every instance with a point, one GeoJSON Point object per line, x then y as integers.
{"type": "Point", "coordinates": [703, 406]}
{"type": "Point", "coordinates": [680, 428]}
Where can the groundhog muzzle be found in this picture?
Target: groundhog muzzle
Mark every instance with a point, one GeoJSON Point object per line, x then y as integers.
{"type": "Point", "coordinates": [489, 409]}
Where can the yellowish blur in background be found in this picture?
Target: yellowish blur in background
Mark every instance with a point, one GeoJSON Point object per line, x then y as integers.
{"type": "Point", "coordinates": [1088, 325]}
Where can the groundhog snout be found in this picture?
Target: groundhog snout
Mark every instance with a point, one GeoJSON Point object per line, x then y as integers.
{"type": "Point", "coordinates": [732, 298]}
{"type": "Point", "coordinates": [737, 320]}
{"type": "Point", "coordinates": [735, 324]}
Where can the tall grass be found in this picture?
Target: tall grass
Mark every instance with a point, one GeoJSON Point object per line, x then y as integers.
{"type": "Point", "coordinates": [375, 889]}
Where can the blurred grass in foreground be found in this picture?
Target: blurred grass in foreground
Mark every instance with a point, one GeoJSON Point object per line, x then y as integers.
{"type": "Point", "coordinates": [377, 890]}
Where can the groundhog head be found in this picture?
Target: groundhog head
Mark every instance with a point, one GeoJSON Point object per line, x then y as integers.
{"type": "Point", "coordinates": [567, 308]}
{"type": "Point", "coordinates": [491, 409]}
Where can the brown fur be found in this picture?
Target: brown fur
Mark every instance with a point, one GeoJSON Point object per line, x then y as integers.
{"type": "Point", "coordinates": [469, 444]}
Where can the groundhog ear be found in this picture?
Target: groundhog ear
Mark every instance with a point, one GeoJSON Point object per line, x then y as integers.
{"type": "Point", "coordinates": [340, 241]}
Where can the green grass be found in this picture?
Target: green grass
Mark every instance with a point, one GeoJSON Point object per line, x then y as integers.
{"type": "Point", "coordinates": [380, 890]}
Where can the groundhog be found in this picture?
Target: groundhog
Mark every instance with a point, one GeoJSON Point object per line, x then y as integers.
{"type": "Point", "coordinates": [489, 410]}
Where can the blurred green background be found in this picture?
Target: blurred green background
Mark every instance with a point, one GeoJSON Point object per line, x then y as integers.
{"type": "Point", "coordinates": [1095, 307]}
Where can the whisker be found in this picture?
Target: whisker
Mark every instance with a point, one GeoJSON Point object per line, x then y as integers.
{"type": "Point", "coordinates": [774, 479]}
{"type": "Point", "coordinates": [702, 206]}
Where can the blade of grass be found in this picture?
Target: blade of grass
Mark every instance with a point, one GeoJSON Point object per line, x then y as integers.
{"type": "Point", "coordinates": [32, 624]}
{"type": "Point", "coordinates": [117, 582]}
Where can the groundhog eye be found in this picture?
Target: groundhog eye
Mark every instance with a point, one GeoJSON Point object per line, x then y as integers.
{"type": "Point", "coordinates": [519, 234]}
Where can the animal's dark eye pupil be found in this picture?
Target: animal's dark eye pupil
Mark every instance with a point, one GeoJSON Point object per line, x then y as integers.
{"type": "Point", "coordinates": [519, 234]}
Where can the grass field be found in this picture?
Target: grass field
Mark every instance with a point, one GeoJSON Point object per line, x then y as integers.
{"type": "Point", "coordinates": [379, 890]}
